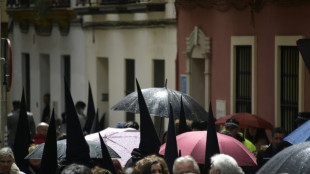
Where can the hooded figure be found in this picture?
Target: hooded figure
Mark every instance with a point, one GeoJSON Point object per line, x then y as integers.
{"type": "Point", "coordinates": [149, 141]}
{"type": "Point", "coordinates": [77, 148]}
{"type": "Point", "coordinates": [90, 111]}
{"type": "Point", "coordinates": [106, 158]}
{"type": "Point", "coordinates": [182, 124]}
{"type": "Point", "coordinates": [22, 138]}
{"type": "Point", "coordinates": [171, 151]}
{"type": "Point", "coordinates": [212, 145]}
{"type": "Point", "coordinates": [49, 158]}
{"type": "Point", "coordinates": [95, 126]}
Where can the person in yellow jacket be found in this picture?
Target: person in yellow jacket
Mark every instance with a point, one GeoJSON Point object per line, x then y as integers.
{"type": "Point", "coordinates": [232, 129]}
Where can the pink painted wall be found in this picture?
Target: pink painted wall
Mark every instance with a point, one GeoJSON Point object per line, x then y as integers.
{"type": "Point", "coordinates": [270, 21]}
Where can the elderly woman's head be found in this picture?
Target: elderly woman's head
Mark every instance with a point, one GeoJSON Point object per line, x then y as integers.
{"type": "Point", "coordinates": [6, 159]}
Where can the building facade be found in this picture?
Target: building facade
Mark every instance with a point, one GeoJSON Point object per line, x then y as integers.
{"type": "Point", "coordinates": [107, 44]}
{"type": "Point", "coordinates": [244, 56]}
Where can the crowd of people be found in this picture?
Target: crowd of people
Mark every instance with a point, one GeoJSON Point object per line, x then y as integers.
{"type": "Point", "coordinates": [255, 139]}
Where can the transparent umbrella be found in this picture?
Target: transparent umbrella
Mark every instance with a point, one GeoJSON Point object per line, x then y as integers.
{"type": "Point", "coordinates": [157, 101]}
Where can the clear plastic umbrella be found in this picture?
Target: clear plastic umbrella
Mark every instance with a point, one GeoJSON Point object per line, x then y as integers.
{"type": "Point", "coordinates": [157, 101]}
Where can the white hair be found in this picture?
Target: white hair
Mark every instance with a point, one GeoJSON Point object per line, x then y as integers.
{"type": "Point", "coordinates": [6, 152]}
{"type": "Point", "coordinates": [225, 164]}
{"type": "Point", "coordinates": [185, 159]}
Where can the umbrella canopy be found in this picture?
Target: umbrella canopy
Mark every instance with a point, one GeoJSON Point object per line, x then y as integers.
{"type": "Point", "coordinates": [246, 120]}
{"type": "Point", "coordinates": [303, 45]}
{"type": "Point", "coordinates": [300, 134]}
{"type": "Point", "coordinates": [294, 159]}
{"type": "Point", "coordinates": [194, 144]}
{"type": "Point", "coordinates": [157, 101]}
{"type": "Point", "coordinates": [122, 140]}
{"type": "Point", "coordinates": [94, 150]}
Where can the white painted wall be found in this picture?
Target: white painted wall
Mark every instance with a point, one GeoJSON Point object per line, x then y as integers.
{"type": "Point", "coordinates": [143, 45]}
{"type": "Point", "coordinates": [55, 46]}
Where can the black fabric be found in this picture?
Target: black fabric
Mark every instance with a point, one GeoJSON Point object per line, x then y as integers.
{"type": "Point", "coordinates": [95, 126]}
{"type": "Point", "coordinates": [149, 141]}
{"type": "Point", "coordinates": [77, 148]}
{"type": "Point", "coordinates": [171, 151]}
{"type": "Point", "coordinates": [46, 114]}
{"type": "Point", "coordinates": [90, 111]}
{"type": "Point", "coordinates": [22, 138]}
{"type": "Point", "coordinates": [136, 155]}
{"type": "Point", "coordinates": [49, 157]}
{"type": "Point", "coordinates": [212, 146]}
{"type": "Point", "coordinates": [182, 123]}
{"type": "Point", "coordinates": [107, 162]}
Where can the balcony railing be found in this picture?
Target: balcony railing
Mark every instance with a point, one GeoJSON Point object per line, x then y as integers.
{"type": "Point", "coordinates": [19, 4]}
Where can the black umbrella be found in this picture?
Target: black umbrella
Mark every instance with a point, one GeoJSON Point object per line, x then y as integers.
{"type": "Point", "coordinates": [94, 150]}
{"type": "Point", "coordinates": [294, 159]}
{"type": "Point", "coordinates": [304, 47]}
{"type": "Point", "coordinates": [157, 101]}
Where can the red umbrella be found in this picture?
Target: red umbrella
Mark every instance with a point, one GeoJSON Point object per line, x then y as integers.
{"type": "Point", "coordinates": [246, 120]}
{"type": "Point", "coordinates": [194, 144]}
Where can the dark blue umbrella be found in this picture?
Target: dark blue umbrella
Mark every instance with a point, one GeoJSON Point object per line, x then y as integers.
{"type": "Point", "coordinates": [300, 134]}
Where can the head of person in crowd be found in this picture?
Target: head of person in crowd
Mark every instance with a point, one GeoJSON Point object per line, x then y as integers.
{"type": "Point", "coordinates": [232, 126]}
{"type": "Point", "coordinates": [131, 124]}
{"type": "Point", "coordinates": [34, 163]}
{"type": "Point", "coordinates": [141, 164]}
{"type": "Point", "coordinates": [185, 164]}
{"type": "Point", "coordinates": [47, 99]}
{"type": "Point", "coordinates": [80, 107]}
{"type": "Point", "coordinates": [152, 166]}
{"type": "Point", "coordinates": [278, 134]}
{"type": "Point", "coordinates": [42, 128]}
{"type": "Point", "coordinates": [99, 170]}
{"type": "Point", "coordinates": [199, 125]}
{"type": "Point", "coordinates": [40, 137]}
{"type": "Point", "coordinates": [224, 164]}
{"type": "Point", "coordinates": [302, 117]}
{"type": "Point", "coordinates": [131, 170]}
{"type": "Point", "coordinates": [16, 105]}
{"type": "Point", "coordinates": [6, 160]}
{"type": "Point", "coordinates": [117, 165]}
{"type": "Point", "coordinates": [257, 136]}
{"type": "Point", "coordinates": [76, 169]}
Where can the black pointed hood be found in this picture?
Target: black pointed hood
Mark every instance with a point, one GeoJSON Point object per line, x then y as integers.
{"type": "Point", "coordinates": [107, 162]}
{"type": "Point", "coordinates": [171, 151]}
{"type": "Point", "coordinates": [304, 48]}
{"type": "Point", "coordinates": [101, 122]}
{"type": "Point", "coordinates": [22, 138]}
{"type": "Point", "coordinates": [77, 148]}
{"type": "Point", "coordinates": [149, 141]}
{"type": "Point", "coordinates": [90, 111]}
{"type": "Point", "coordinates": [212, 146]}
{"type": "Point", "coordinates": [182, 123]}
{"type": "Point", "coordinates": [95, 126]}
{"type": "Point", "coordinates": [49, 157]}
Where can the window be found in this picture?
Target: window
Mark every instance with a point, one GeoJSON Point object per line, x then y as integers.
{"type": "Point", "coordinates": [130, 83]}
{"type": "Point", "coordinates": [26, 78]}
{"type": "Point", "coordinates": [243, 74]}
{"type": "Point", "coordinates": [289, 86]}
{"type": "Point", "coordinates": [159, 82]}
{"type": "Point", "coordinates": [289, 81]}
{"type": "Point", "coordinates": [243, 79]}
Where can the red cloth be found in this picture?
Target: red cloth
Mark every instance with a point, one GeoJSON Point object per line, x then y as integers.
{"type": "Point", "coordinates": [39, 139]}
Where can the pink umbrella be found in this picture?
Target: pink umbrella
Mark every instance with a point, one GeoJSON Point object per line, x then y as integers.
{"type": "Point", "coordinates": [194, 144]}
{"type": "Point", "coordinates": [121, 140]}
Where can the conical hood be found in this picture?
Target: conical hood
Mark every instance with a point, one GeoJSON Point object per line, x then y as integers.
{"type": "Point", "coordinates": [77, 148]}
{"type": "Point", "coordinates": [171, 151]}
{"type": "Point", "coordinates": [95, 127]}
{"type": "Point", "coordinates": [90, 111]}
{"type": "Point", "coordinates": [149, 141]}
{"type": "Point", "coordinates": [304, 48]}
{"type": "Point", "coordinates": [182, 123]}
{"type": "Point", "coordinates": [22, 138]}
{"type": "Point", "coordinates": [106, 158]}
{"type": "Point", "coordinates": [212, 146]}
{"type": "Point", "coordinates": [49, 157]}
{"type": "Point", "coordinates": [101, 122]}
